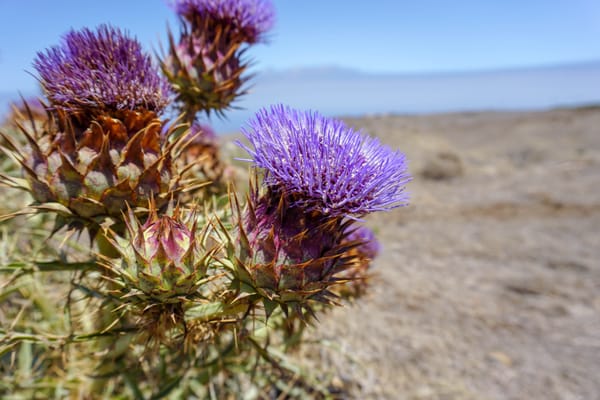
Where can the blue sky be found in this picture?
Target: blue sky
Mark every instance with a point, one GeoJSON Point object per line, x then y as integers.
{"type": "Point", "coordinates": [373, 36]}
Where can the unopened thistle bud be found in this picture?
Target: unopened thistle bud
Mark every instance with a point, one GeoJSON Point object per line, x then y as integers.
{"type": "Point", "coordinates": [163, 259]}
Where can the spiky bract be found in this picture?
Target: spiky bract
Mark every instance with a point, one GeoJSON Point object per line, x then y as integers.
{"type": "Point", "coordinates": [326, 166]}
{"type": "Point", "coordinates": [288, 256]}
{"type": "Point", "coordinates": [31, 114]}
{"type": "Point", "coordinates": [101, 70]}
{"type": "Point", "coordinates": [32, 107]}
{"type": "Point", "coordinates": [290, 248]}
{"type": "Point", "coordinates": [357, 276]}
{"type": "Point", "coordinates": [96, 172]}
{"type": "Point", "coordinates": [369, 246]}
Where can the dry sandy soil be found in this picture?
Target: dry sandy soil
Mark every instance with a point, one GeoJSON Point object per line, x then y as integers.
{"type": "Point", "coordinates": [488, 286]}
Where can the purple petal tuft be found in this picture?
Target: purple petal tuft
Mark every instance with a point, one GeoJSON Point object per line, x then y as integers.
{"type": "Point", "coordinates": [102, 69]}
{"type": "Point", "coordinates": [325, 165]}
{"type": "Point", "coordinates": [252, 18]}
{"type": "Point", "coordinates": [369, 246]}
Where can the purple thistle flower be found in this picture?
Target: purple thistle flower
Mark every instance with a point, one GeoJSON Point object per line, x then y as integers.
{"type": "Point", "coordinates": [324, 165]}
{"type": "Point", "coordinates": [102, 69]}
{"type": "Point", "coordinates": [369, 246]}
{"type": "Point", "coordinates": [202, 134]}
{"type": "Point", "coordinates": [251, 19]}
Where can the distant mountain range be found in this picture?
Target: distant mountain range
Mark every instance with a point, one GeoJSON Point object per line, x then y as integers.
{"type": "Point", "coordinates": [342, 91]}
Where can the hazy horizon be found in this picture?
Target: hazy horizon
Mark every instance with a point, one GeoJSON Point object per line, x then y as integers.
{"type": "Point", "coordinates": [342, 91]}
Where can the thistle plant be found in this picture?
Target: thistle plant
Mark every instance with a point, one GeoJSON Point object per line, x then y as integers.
{"type": "Point", "coordinates": [181, 297]}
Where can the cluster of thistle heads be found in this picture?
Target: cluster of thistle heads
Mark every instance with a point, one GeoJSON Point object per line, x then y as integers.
{"type": "Point", "coordinates": [108, 162]}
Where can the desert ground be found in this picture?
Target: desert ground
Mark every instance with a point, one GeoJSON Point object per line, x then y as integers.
{"type": "Point", "coordinates": [488, 285]}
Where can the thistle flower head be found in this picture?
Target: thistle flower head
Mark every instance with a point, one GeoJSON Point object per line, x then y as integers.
{"type": "Point", "coordinates": [248, 19]}
{"type": "Point", "coordinates": [205, 66]}
{"type": "Point", "coordinates": [202, 134]}
{"type": "Point", "coordinates": [101, 69]}
{"type": "Point", "coordinates": [324, 165]}
{"type": "Point", "coordinates": [369, 247]}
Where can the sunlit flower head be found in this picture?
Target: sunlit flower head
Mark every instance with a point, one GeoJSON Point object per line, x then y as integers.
{"type": "Point", "coordinates": [324, 165]}
{"type": "Point", "coordinates": [101, 69]}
